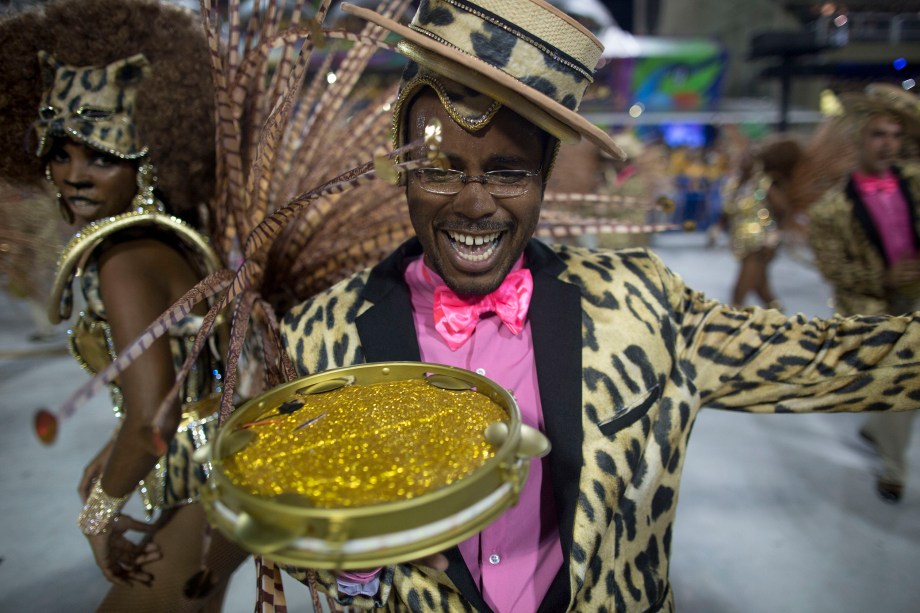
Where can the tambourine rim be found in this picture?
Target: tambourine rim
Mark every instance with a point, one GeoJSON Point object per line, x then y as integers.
{"type": "Point", "coordinates": [338, 559]}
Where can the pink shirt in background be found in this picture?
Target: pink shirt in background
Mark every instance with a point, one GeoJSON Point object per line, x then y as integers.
{"type": "Point", "coordinates": [888, 209]}
{"type": "Point", "coordinates": [514, 560]}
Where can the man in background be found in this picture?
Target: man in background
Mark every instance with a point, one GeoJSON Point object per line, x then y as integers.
{"type": "Point", "coordinates": [865, 234]}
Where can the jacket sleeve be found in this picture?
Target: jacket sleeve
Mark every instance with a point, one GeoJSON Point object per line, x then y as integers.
{"type": "Point", "coordinates": [319, 334]}
{"type": "Point", "coordinates": [763, 361]}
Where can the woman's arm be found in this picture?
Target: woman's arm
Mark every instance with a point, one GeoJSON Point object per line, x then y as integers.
{"type": "Point", "coordinates": [139, 280]}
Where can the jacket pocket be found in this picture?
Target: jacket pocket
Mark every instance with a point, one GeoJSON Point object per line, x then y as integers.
{"type": "Point", "coordinates": [627, 415]}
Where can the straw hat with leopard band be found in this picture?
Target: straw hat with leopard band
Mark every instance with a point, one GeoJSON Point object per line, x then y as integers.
{"type": "Point", "coordinates": [524, 54]}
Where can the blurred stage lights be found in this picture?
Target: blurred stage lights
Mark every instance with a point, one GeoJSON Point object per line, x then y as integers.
{"type": "Point", "coordinates": [900, 63]}
{"type": "Point", "coordinates": [636, 110]}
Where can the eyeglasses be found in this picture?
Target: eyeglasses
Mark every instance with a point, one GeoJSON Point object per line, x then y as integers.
{"type": "Point", "coordinates": [499, 183]}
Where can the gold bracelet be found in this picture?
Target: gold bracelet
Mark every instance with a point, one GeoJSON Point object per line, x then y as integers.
{"type": "Point", "coordinates": [100, 511]}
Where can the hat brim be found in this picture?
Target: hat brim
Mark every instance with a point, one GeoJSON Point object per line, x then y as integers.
{"type": "Point", "coordinates": [463, 66]}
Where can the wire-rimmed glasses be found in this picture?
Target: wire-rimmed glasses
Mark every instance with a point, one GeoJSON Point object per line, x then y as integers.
{"type": "Point", "coordinates": [499, 183]}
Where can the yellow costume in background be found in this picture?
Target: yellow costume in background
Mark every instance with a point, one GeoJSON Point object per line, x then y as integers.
{"type": "Point", "coordinates": [751, 225]}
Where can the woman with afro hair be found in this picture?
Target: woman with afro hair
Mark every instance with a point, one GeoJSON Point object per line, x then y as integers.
{"type": "Point", "coordinates": [112, 101]}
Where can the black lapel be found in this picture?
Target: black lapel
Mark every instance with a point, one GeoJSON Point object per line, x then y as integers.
{"type": "Point", "coordinates": [459, 573]}
{"type": "Point", "coordinates": [386, 330]}
{"type": "Point", "coordinates": [555, 321]}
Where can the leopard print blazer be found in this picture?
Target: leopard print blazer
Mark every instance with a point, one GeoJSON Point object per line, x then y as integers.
{"type": "Point", "coordinates": [626, 356]}
{"type": "Point", "coordinates": [848, 248]}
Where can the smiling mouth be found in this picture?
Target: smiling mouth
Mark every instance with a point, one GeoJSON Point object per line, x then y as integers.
{"type": "Point", "coordinates": [81, 202]}
{"type": "Point", "coordinates": [474, 247]}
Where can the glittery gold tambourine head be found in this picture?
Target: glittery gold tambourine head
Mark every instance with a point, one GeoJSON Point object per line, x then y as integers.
{"type": "Point", "coordinates": [368, 465]}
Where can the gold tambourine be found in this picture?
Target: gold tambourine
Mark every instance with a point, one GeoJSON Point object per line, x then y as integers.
{"type": "Point", "coordinates": [368, 465]}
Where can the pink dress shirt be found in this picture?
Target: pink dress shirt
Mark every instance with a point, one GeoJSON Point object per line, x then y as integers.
{"type": "Point", "coordinates": [888, 210]}
{"type": "Point", "coordinates": [514, 560]}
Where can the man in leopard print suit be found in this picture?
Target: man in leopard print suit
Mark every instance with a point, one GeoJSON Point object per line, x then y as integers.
{"type": "Point", "coordinates": [865, 233]}
{"type": "Point", "coordinates": [608, 353]}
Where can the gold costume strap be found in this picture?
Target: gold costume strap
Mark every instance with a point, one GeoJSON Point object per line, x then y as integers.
{"type": "Point", "coordinates": [100, 511]}
{"type": "Point", "coordinates": [77, 251]}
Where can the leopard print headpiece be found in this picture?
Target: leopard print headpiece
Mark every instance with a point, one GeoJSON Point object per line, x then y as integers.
{"type": "Point", "coordinates": [91, 105]}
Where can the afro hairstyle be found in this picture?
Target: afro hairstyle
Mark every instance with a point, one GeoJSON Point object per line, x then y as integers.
{"type": "Point", "coordinates": [175, 105]}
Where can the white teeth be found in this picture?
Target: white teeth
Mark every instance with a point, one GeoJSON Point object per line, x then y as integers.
{"type": "Point", "coordinates": [470, 240]}
{"type": "Point", "coordinates": [477, 258]}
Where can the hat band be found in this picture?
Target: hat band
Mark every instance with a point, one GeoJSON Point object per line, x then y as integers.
{"type": "Point", "coordinates": [551, 34]}
{"type": "Point", "coordinates": [486, 35]}
{"type": "Point", "coordinates": [471, 78]}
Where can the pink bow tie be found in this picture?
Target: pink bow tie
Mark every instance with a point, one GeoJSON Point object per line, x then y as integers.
{"type": "Point", "coordinates": [456, 317]}
{"type": "Point", "coordinates": [874, 185]}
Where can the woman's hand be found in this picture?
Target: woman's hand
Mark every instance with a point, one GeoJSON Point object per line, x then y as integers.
{"type": "Point", "coordinates": [93, 470]}
{"type": "Point", "coordinates": [121, 559]}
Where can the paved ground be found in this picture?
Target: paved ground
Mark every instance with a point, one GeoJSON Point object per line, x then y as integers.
{"type": "Point", "coordinates": [777, 513]}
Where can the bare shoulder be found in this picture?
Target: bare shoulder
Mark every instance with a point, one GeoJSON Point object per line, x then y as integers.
{"type": "Point", "coordinates": [144, 270]}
